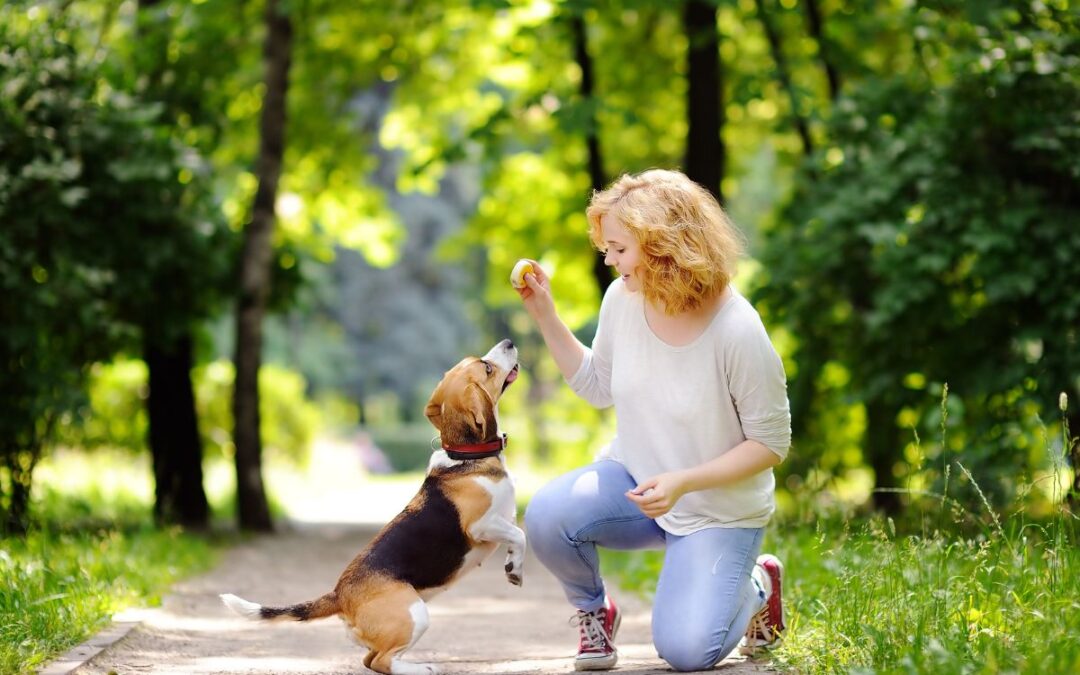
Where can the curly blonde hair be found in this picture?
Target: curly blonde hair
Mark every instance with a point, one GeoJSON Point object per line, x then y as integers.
{"type": "Point", "coordinates": [689, 245]}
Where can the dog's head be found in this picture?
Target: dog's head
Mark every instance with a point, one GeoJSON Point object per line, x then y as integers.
{"type": "Point", "coordinates": [463, 405]}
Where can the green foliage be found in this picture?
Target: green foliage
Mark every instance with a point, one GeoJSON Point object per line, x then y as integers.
{"type": "Point", "coordinates": [107, 233]}
{"type": "Point", "coordinates": [60, 586]}
{"type": "Point", "coordinates": [115, 414]}
{"type": "Point", "coordinates": [930, 241]}
{"type": "Point", "coordinates": [52, 306]}
{"type": "Point", "coordinates": [288, 419]}
{"type": "Point", "coordinates": [408, 447]}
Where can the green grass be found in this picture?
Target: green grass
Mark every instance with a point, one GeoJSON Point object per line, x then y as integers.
{"type": "Point", "coordinates": [60, 587]}
{"type": "Point", "coordinates": [862, 598]}
{"type": "Point", "coordinates": [89, 557]}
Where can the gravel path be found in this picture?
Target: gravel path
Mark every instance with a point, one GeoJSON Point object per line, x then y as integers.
{"type": "Point", "coordinates": [482, 625]}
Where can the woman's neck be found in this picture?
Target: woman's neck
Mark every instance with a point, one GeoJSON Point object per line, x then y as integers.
{"type": "Point", "coordinates": [679, 330]}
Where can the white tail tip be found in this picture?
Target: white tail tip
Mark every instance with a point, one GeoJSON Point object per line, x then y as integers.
{"type": "Point", "coordinates": [241, 606]}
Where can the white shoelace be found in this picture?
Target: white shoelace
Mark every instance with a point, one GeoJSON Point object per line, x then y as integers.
{"type": "Point", "coordinates": [592, 628]}
{"type": "Point", "coordinates": [759, 627]}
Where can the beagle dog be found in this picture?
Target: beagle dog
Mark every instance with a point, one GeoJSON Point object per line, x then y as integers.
{"type": "Point", "coordinates": [463, 511]}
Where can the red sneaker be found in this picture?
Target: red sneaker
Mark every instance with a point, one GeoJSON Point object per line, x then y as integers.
{"type": "Point", "coordinates": [596, 651]}
{"type": "Point", "coordinates": [766, 626]}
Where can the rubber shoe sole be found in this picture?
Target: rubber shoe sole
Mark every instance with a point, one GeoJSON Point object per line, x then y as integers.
{"type": "Point", "coordinates": [605, 662]}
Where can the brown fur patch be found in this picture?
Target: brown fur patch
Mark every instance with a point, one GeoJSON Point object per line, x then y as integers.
{"type": "Point", "coordinates": [472, 500]}
{"type": "Point", "coordinates": [377, 612]}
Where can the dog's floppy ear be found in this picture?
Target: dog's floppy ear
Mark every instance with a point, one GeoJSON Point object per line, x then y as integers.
{"type": "Point", "coordinates": [433, 411]}
{"type": "Point", "coordinates": [469, 418]}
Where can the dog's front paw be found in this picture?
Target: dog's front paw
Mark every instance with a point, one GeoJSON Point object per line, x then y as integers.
{"type": "Point", "coordinates": [513, 569]}
{"type": "Point", "coordinates": [513, 576]}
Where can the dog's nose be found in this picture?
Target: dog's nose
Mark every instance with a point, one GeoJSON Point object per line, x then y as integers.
{"type": "Point", "coordinates": [509, 343]}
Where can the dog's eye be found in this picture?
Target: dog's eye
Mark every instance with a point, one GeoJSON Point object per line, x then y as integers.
{"type": "Point", "coordinates": [487, 367]}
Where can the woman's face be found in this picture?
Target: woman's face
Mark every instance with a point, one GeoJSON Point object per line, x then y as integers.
{"type": "Point", "coordinates": [623, 251]}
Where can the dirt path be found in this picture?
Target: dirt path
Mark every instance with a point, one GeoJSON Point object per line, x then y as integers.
{"type": "Point", "coordinates": [482, 625]}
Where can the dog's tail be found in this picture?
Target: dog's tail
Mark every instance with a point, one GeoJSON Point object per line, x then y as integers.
{"type": "Point", "coordinates": [327, 605]}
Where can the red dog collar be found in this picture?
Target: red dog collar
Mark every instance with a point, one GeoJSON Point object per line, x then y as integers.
{"type": "Point", "coordinates": [477, 450]}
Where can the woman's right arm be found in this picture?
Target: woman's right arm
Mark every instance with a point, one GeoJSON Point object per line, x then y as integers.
{"type": "Point", "coordinates": [566, 349]}
{"type": "Point", "coordinates": [587, 371]}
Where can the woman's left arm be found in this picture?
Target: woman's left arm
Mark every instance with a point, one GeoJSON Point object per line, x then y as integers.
{"type": "Point", "coordinates": [663, 490]}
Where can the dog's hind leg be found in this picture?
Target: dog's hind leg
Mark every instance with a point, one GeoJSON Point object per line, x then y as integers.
{"type": "Point", "coordinates": [401, 622]}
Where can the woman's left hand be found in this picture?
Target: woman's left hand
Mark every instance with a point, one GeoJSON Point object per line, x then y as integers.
{"type": "Point", "coordinates": [657, 495]}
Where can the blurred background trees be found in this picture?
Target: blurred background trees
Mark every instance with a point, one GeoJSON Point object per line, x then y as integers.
{"type": "Point", "coordinates": [906, 174]}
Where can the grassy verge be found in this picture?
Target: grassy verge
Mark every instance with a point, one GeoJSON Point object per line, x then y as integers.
{"type": "Point", "coordinates": [92, 554]}
{"type": "Point", "coordinates": [60, 587]}
{"type": "Point", "coordinates": [861, 598]}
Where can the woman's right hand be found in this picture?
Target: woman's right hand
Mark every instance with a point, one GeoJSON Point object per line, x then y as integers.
{"type": "Point", "coordinates": [536, 296]}
{"type": "Point", "coordinates": [536, 293]}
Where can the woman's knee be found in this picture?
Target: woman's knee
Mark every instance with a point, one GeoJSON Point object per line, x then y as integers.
{"type": "Point", "coordinates": [556, 504]}
{"type": "Point", "coordinates": [686, 649]}
{"type": "Point", "coordinates": [543, 515]}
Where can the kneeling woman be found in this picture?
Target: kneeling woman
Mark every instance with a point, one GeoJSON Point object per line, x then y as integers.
{"type": "Point", "coordinates": [702, 416]}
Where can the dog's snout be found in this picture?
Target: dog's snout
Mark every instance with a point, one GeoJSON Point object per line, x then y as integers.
{"type": "Point", "coordinates": [504, 353]}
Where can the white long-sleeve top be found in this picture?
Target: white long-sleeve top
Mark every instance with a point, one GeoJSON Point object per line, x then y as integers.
{"type": "Point", "coordinates": [679, 407]}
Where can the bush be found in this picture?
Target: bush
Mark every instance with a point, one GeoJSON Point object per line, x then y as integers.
{"type": "Point", "coordinates": [115, 414]}
{"type": "Point", "coordinates": [288, 419]}
{"type": "Point", "coordinates": [407, 447]}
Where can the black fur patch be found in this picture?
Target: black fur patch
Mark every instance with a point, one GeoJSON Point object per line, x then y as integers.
{"type": "Point", "coordinates": [300, 611]}
{"type": "Point", "coordinates": [422, 548]}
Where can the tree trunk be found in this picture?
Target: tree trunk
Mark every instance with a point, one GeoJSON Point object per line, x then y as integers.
{"type": "Point", "coordinates": [601, 272]}
{"type": "Point", "coordinates": [15, 517]}
{"type": "Point", "coordinates": [883, 448]}
{"type": "Point", "coordinates": [20, 455]}
{"type": "Point", "coordinates": [776, 48]}
{"type": "Point", "coordinates": [825, 49]}
{"type": "Point", "coordinates": [174, 435]}
{"type": "Point", "coordinates": [253, 510]}
{"type": "Point", "coordinates": [705, 153]}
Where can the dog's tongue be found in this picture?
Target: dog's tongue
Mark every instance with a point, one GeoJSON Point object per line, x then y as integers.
{"type": "Point", "coordinates": [512, 376]}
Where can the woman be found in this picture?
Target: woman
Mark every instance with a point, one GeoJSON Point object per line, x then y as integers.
{"type": "Point", "coordinates": [701, 418]}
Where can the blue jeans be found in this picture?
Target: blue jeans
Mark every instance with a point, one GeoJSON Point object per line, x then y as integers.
{"type": "Point", "coordinates": [705, 596]}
